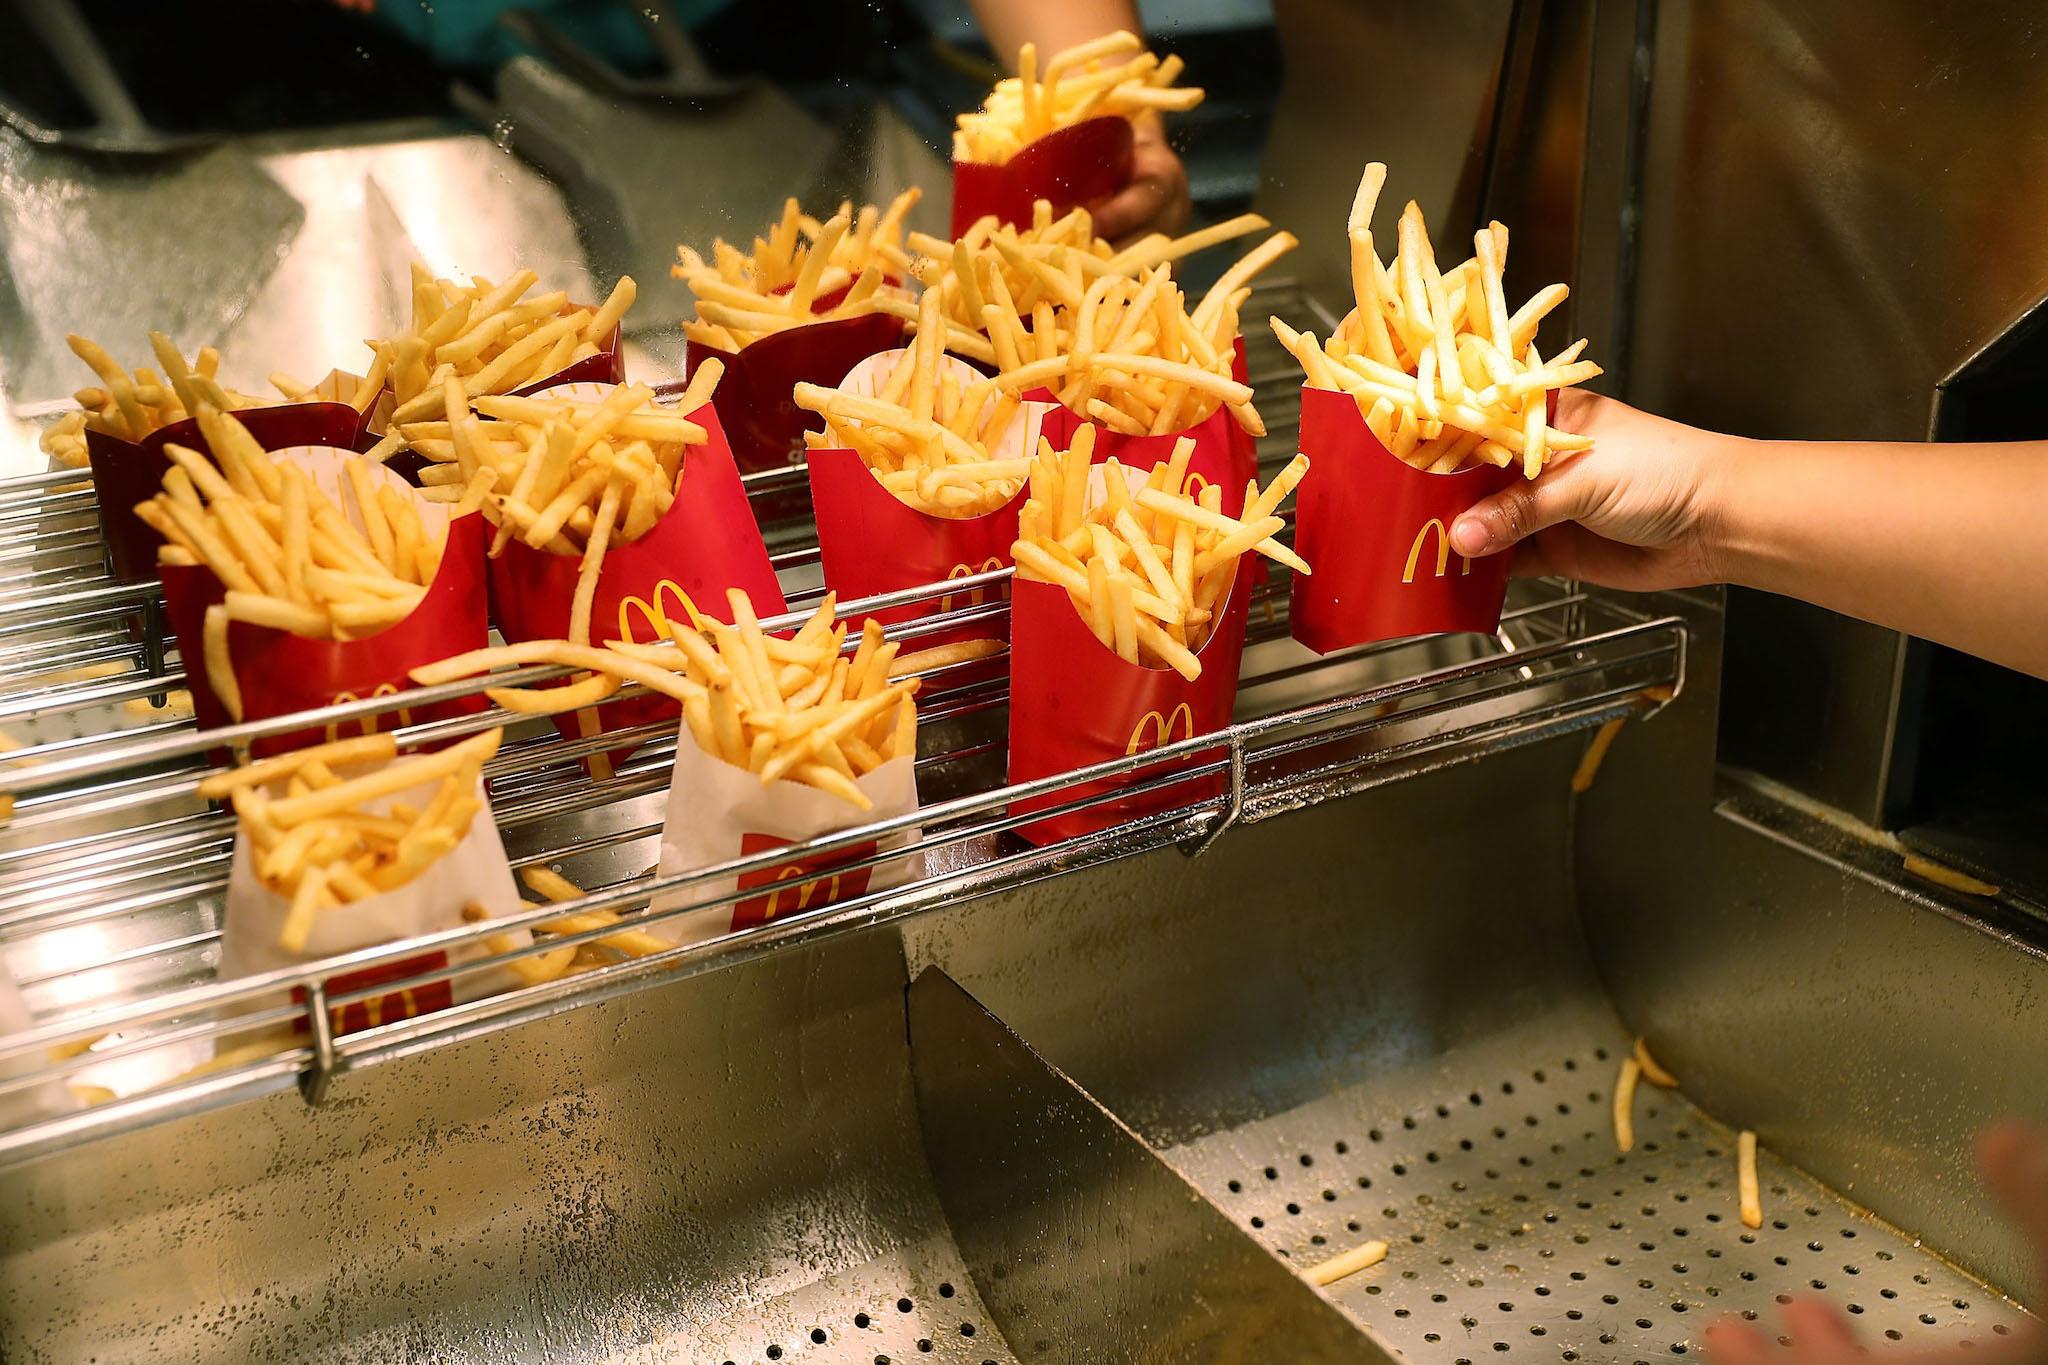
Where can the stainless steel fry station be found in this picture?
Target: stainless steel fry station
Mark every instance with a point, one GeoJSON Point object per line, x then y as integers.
{"type": "Point", "coordinates": [1363, 966]}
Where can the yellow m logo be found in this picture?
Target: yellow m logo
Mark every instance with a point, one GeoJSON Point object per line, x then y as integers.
{"type": "Point", "coordinates": [1443, 551]}
{"type": "Point", "coordinates": [978, 595]}
{"type": "Point", "coordinates": [819, 890]}
{"type": "Point", "coordinates": [656, 614]}
{"type": "Point", "coordinates": [367, 724]}
{"type": "Point", "coordinates": [1154, 729]}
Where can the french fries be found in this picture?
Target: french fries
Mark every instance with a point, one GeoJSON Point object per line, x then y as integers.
{"type": "Point", "coordinates": [1013, 268]}
{"type": "Point", "coordinates": [290, 557]}
{"type": "Point", "coordinates": [1749, 1199]}
{"type": "Point", "coordinates": [567, 476]}
{"type": "Point", "coordinates": [797, 709]}
{"type": "Point", "coordinates": [1149, 566]}
{"type": "Point", "coordinates": [1111, 76]}
{"type": "Point", "coordinates": [930, 432]}
{"type": "Point", "coordinates": [324, 838]}
{"type": "Point", "coordinates": [131, 404]}
{"type": "Point", "coordinates": [743, 296]}
{"type": "Point", "coordinates": [1443, 374]}
{"type": "Point", "coordinates": [1124, 350]}
{"type": "Point", "coordinates": [486, 336]}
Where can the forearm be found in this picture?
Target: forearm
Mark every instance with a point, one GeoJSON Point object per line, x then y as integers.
{"type": "Point", "coordinates": [1941, 541]}
{"type": "Point", "coordinates": [1009, 24]}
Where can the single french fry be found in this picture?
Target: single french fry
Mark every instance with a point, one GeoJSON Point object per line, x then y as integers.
{"type": "Point", "coordinates": [1625, 1104]}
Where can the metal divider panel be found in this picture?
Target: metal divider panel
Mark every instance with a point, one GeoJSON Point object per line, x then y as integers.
{"type": "Point", "coordinates": [1084, 1243]}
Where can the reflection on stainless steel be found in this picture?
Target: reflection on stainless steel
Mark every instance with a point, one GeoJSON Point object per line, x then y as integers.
{"type": "Point", "coordinates": [1150, 1270]}
{"type": "Point", "coordinates": [1373, 988]}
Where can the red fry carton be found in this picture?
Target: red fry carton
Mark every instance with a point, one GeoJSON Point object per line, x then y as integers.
{"type": "Point", "coordinates": [1083, 163]}
{"type": "Point", "coordinates": [874, 542]}
{"type": "Point", "coordinates": [707, 542]}
{"type": "Point", "coordinates": [278, 673]}
{"type": "Point", "coordinates": [1225, 453]}
{"type": "Point", "coordinates": [127, 472]}
{"type": "Point", "coordinates": [1074, 703]}
{"type": "Point", "coordinates": [754, 394]}
{"type": "Point", "coordinates": [1378, 531]}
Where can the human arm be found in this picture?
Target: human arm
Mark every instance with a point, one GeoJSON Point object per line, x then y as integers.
{"type": "Point", "coordinates": [1156, 199]}
{"type": "Point", "coordinates": [1937, 540]}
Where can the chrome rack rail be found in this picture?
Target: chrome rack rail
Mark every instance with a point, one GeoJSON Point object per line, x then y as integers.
{"type": "Point", "coordinates": [113, 871]}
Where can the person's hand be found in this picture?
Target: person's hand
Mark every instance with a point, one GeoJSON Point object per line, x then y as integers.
{"type": "Point", "coordinates": [2014, 1161]}
{"type": "Point", "coordinates": [1634, 512]}
{"type": "Point", "coordinates": [1156, 200]}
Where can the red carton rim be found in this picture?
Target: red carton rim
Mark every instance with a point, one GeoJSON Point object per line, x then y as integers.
{"type": "Point", "coordinates": [871, 541]}
{"type": "Point", "coordinates": [1365, 518]}
{"type": "Point", "coordinates": [1225, 453]}
{"type": "Point", "coordinates": [1083, 163]}
{"type": "Point", "coordinates": [125, 473]}
{"type": "Point", "coordinates": [765, 426]}
{"type": "Point", "coordinates": [279, 672]}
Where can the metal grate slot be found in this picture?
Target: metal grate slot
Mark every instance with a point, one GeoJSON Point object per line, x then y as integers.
{"type": "Point", "coordinates": [1516, 1230]}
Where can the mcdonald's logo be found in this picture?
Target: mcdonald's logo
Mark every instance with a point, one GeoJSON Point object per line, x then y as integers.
{"type": "Point", "coordinates": [1195, 484]}
{"type": "Point", "coordinates": [367, 725]}
{"type": "Point", "coordinates": [1443, 551]}
{"type": "Point", "coordinates": [407, 1002]}
{"type": "Point", "coordinates": [660, 623]}
{"type": "Point", "coordinates": [1154, 729]}
{"type": "Point", "coordinates": [975, 597]}
{"type": "Point", "coordinates": [800, 884]}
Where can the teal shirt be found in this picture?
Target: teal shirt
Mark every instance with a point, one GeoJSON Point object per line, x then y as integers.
{"type": "Point", "coordinates": [466, 32]}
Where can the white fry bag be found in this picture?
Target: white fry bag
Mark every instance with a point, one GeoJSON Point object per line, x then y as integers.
{"type": "Point", "coordinates": [474, 870]}
{"type": "Point", "coordinates": [717, 812]}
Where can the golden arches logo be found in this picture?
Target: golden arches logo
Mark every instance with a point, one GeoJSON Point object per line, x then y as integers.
{"type": "Point", "coordinates": [976, 596]}
{"type": "Point", "coordinates": [1153, 729]}
{"type": "Point", "coordinates": [366, 724]}
{"type": "Point", "coordinates": [656, 615]}
{"type": "Point", "coordinates": [817, 890]}
{"type": "Point", "coordinates": [1443, 551]}
{"type": "Point", "coordinates": [1195, 484]}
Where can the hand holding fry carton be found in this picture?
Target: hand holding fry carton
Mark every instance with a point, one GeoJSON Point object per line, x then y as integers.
{"type": "Point", "coordinates": [1430, 396]}
{"type": "Point", "coordinates": [1063, 133]}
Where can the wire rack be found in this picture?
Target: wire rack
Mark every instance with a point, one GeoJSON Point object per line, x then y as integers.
{"type": "Point", "coordinates": [113, 871]}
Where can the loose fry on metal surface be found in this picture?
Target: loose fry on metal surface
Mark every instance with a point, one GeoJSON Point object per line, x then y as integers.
{"type": "Point", "coordinates": [290, 557]}
{"type": "Point", "coordinates": [802, 271]}
{"type": "Point", "coordinates": [1347, 1263]}
{"type": "Point", "coordinates": [327, 846]}
{"type": "Point", "coordinates": [1595, 755]}
{"type": "Point", "coordinates": [1625, 1104]}
{"type": "Point", "coordinates": [1112, 76]}
{"type": "Point", "coordinates": [1653, 1073]}
{"type": "Point", "coordinates": [1745, 1179]}
{"type": "Point", "coordinates": [1441, 371]}
{"type": "Point", "coordinates": [1148, 571]}
{"type": "Point", "coordinates": [943, 656]}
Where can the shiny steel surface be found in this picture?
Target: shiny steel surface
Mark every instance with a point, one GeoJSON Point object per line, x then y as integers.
{"type": "Point", "coordinates": [1795, 226]}
{"type": "Point", "coordinates": [1148, 1269]}
{"type": "Point", "coordinates": [1867, 1025]}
